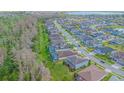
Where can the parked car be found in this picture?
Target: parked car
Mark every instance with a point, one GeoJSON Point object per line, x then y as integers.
{"type": "Point", "coordinates": [102, 61]}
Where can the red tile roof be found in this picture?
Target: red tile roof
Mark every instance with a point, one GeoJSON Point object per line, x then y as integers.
{"type": "Point", "coordinates": [91, 73]}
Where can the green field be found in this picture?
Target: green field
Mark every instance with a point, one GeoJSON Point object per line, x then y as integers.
{"type": "Point", "coordinates": [116, 47]}
{"type": "Point", "coordinates": [41, 43]}
{"type": "Point", "coordinates": [90, 49]}
{"type": "Point", "coordinates": [105, 58]}
{"type": "Point", "coordinates": [122, 68]}
{"type": "Point", "coordinates": [106, 78]}
{"type": "Point", "coordinates": [114, 26]}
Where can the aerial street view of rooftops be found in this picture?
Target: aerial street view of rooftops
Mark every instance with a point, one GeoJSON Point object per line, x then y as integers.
{"type": "Point", "coordinates": [62, 46]}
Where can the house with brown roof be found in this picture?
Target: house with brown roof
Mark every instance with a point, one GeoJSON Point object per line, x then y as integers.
{"type": "Point", "coordinates": [91, 73]}
{"type": "Point", "coordinates": [64, 53]}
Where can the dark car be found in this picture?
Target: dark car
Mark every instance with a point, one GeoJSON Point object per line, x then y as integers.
{"type": "Point", "coordinates": [102, 61]}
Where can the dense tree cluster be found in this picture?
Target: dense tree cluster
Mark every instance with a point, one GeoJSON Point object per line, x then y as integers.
{"type": "Point", "coordinates": [20, 62]}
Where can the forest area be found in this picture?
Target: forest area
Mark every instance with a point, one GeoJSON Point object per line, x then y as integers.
{"type": "Point", "coordinates": [24, 53]}
{"type": "Point", "coordinates": [18, 59]}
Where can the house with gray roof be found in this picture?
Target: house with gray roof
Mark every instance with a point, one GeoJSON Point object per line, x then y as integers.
{"type": "Point", "coordinates": [103, 50]}
{"type": "Point", "coordinates": [75, 62]}
{"type": "Point", "coordinates": [118, 57]}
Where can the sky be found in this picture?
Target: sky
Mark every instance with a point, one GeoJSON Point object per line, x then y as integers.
{"type": "Point", "coordinates": [62, 5]}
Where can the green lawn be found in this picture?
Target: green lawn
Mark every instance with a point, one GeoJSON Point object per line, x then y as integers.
{"type": "Point", "coordinates": [60, 71]}
{"type": "Point", "coordinates": [105, 58]}
{"type": "Point", "coordinates": [99, 66]}
{"type": "Point", "coordinates": [119, 76]}
{"type": "Point", "coordinates": [116, 47]}
{"type": "Point", "coordinates": [106, 78]}
{"type": "Point", "coordinates": [122, 68]}
{"type": "Point", "coordinates": [90, 49]}
{"type": "Point", "coordinates": [114, 26]}
{"type": "Point", "coordinates": [41, 43]}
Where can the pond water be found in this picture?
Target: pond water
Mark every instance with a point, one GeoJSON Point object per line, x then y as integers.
{"type": "Point", "coordinates": [94, 13]}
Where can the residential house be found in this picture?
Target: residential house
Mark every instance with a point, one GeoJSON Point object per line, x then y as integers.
{"type": "Point", "coordinates": [87, 40]}
{"type": "Point", "coordinates": [118, 57]}
{"type": "Point", "coordinates": [75, 62]}
{"type": "Point", "coordinates": [64, 53]}
{"type": "Point", "coordinates": [91, 73]}
{"type": "Point", "coordinates": [53, 31]}
{"type": "Point", "coordinates": [94, 35]}
{"type": "Point", "coordinates": [55, 36]}
{"type": "Point", "coordinates": [53, 53]}
{"type": "Point", "coordinates": [113, 42]}
{"type": "Point", "coordinates": [59, 44]}
{"type": "Point", "coordinates": [103, 50]}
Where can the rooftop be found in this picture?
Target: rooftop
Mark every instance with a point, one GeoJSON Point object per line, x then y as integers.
{"type": "Point", "coordinates": [65, 53]}
{"type": "Point", "coordinates": [92, 73]}
{"type": "Point", "coordinates": [119, 54]}
{"type": "Point", "coordinates": [76, 59]}
{"type": "Point", "coordinates": [104, 49]}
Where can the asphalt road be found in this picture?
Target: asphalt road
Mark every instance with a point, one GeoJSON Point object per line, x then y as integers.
{"type": "Point", "coordinates": [83, 51]}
